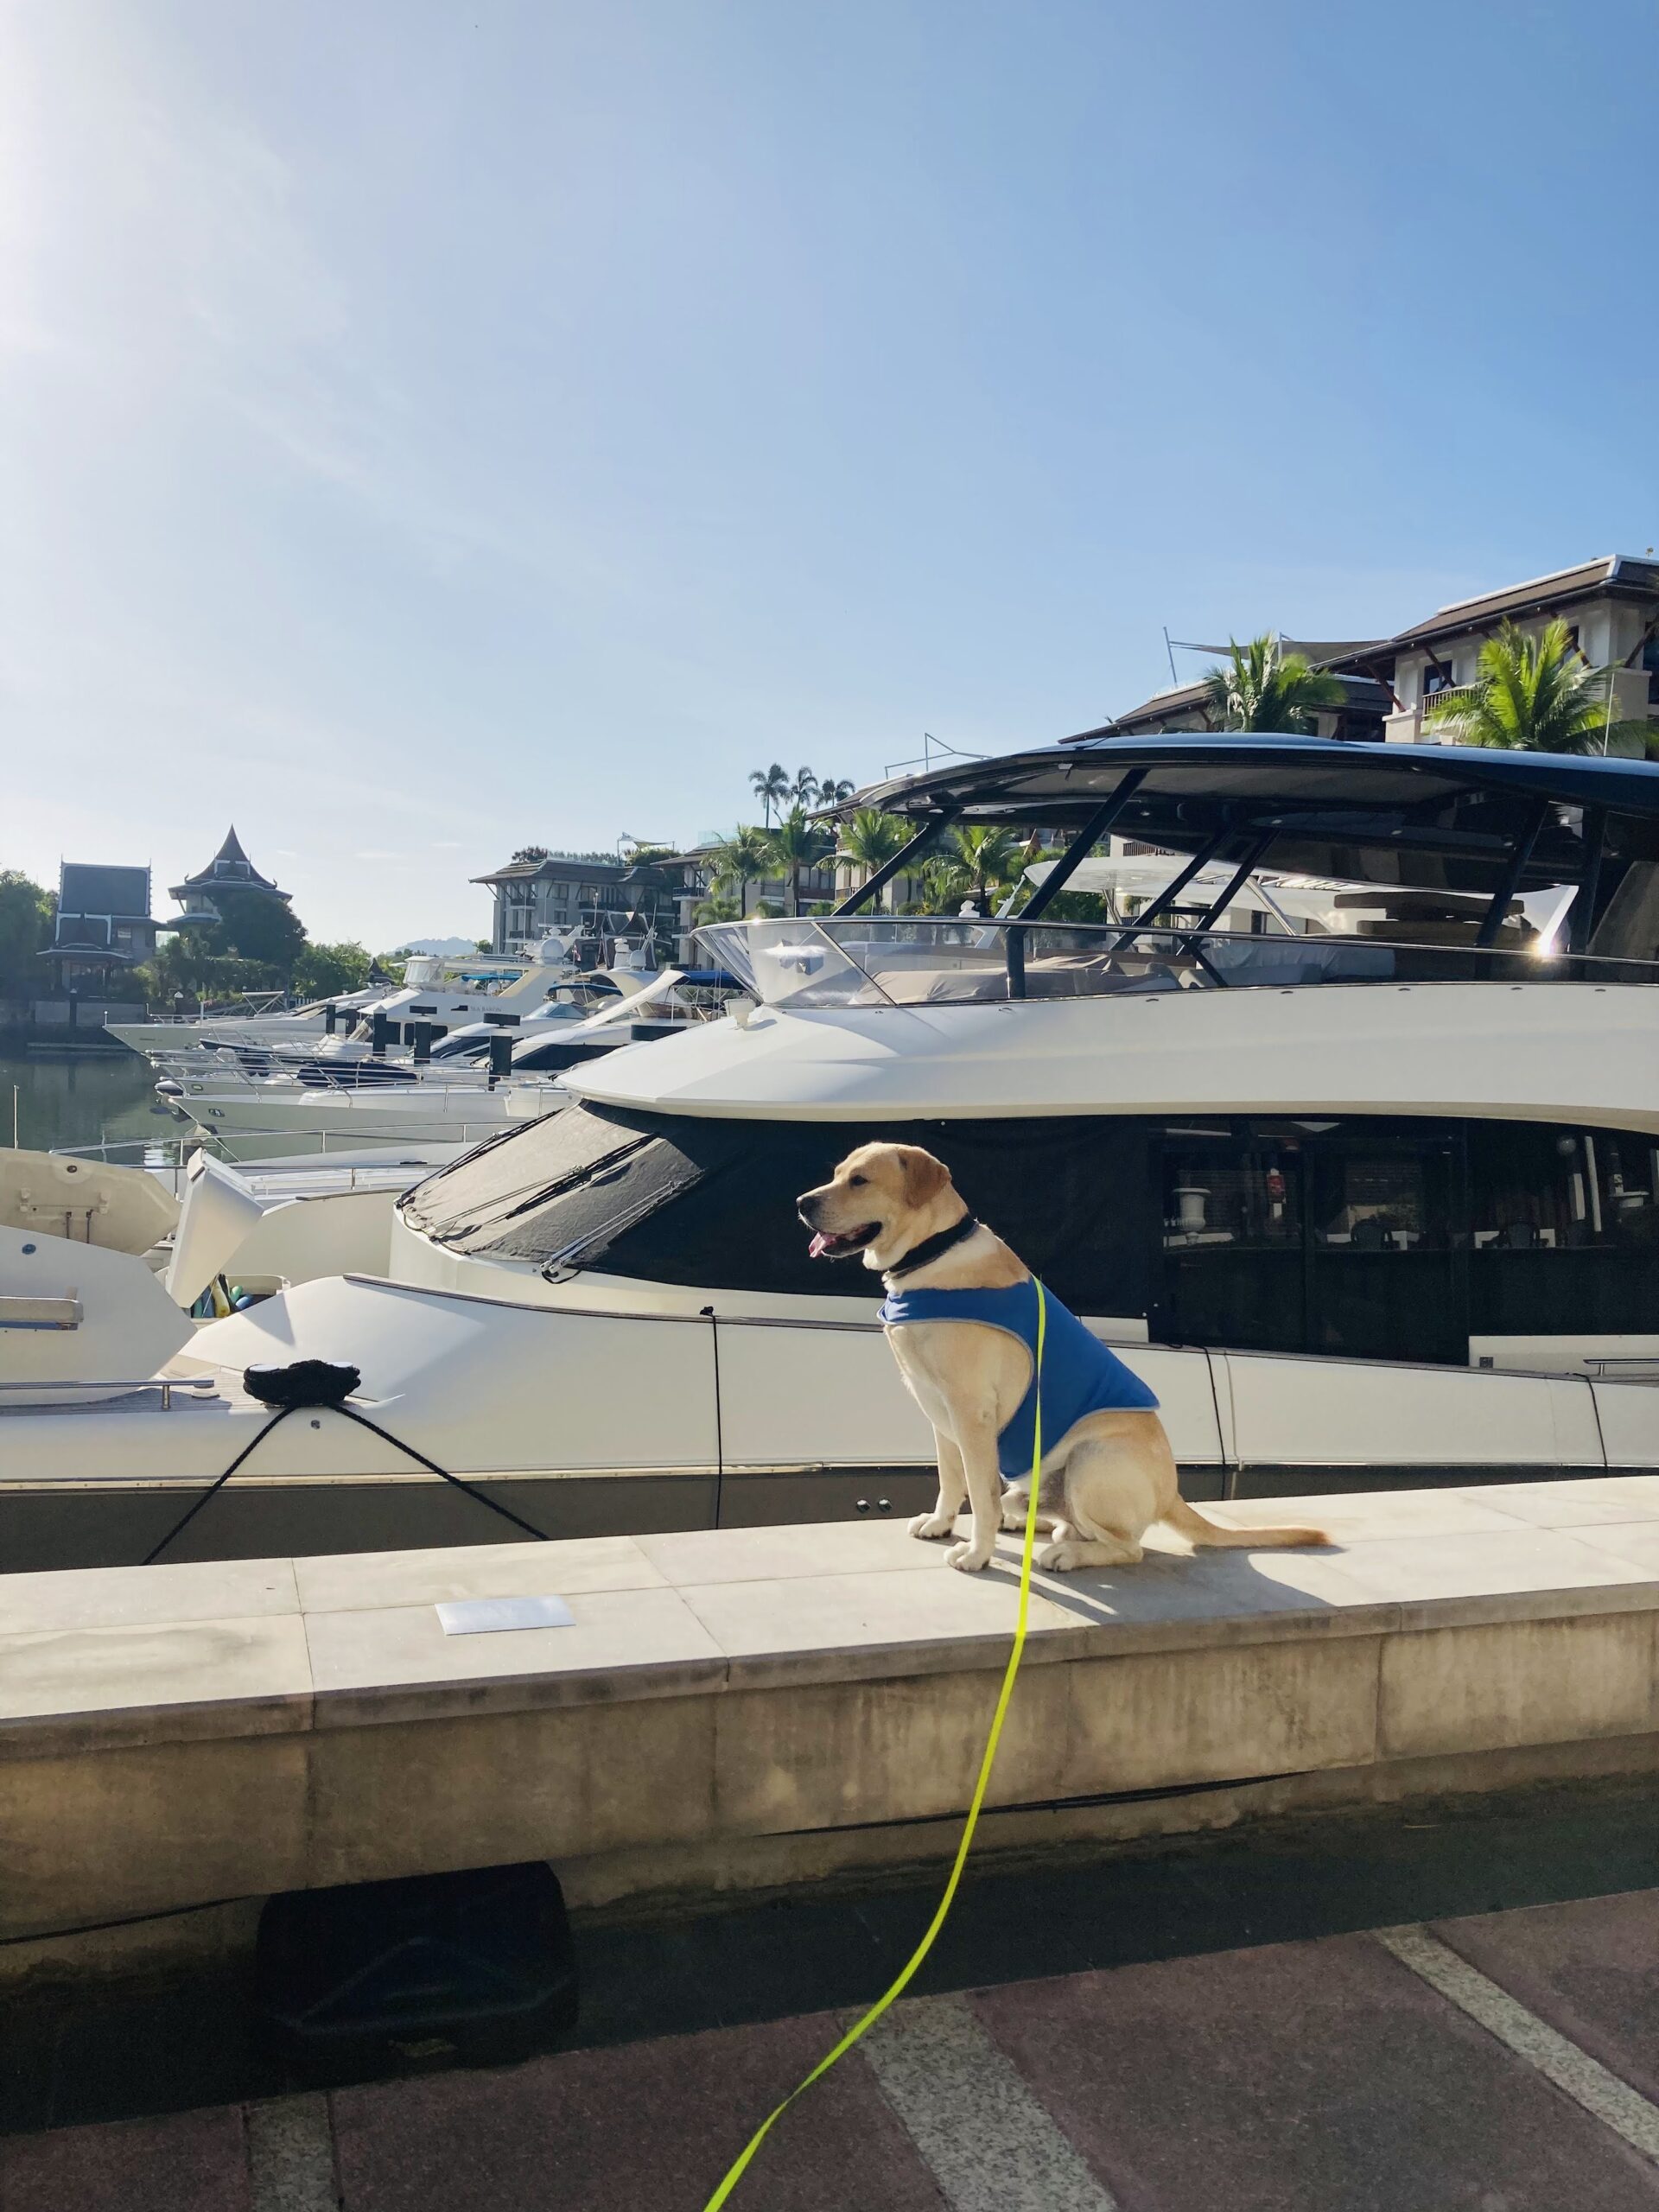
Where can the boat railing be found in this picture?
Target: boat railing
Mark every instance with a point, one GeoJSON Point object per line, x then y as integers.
{"type": "Point", "coordinates": [194, 1386]}
{"type": "Point", "coordinates": [816, 962]}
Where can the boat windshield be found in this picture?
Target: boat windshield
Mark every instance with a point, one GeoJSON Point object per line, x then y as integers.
{"type": "Point", "coordinates": [871, 961]}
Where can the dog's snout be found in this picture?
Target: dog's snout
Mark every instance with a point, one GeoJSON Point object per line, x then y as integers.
{"type": "Point", "coordinates": [807, 1206]}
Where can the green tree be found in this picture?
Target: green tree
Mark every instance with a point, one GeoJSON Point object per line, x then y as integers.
{"type": "Point", "coordinates": [797, 843]}
{"type": "Point", "coordinates": [26, 912]}
{"type": "Point", "coordinates": [871, 838]}
{"type": "Point", "coordinates": [976, 862]}
{"type": "Point", "coordinates": [255, 927]}
{"type": "Point", "coordinates": [1530, 694]}
{"type": "Point", "coordinates": [323, 970]}
{"type": "Point", "coordinates": [719, 906]}
{"type": "Point", "coordinates": [770, 786]}
{"type": "Point", "coordinates": [740, 859]}
{"type": "Point", "coordinates": [1264, 688]}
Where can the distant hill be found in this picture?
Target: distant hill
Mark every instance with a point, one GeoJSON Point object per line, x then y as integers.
{"type": "Point", "coordinates": [441, 946]}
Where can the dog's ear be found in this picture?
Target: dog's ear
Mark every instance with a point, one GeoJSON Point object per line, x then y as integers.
{"type": "Point", "coordinates": [924, 1177]}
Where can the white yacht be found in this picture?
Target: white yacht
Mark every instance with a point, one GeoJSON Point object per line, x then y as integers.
{"type": "Point", "coordinates": [1373, 1208]}
{"type": "Point", "coordinates": [442, 991]}
{"type": "Point", "coordinates": [471, 1084]}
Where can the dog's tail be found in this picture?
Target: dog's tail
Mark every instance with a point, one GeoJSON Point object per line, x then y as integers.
{"type": "Point", "coordinates": [1197, 1530]}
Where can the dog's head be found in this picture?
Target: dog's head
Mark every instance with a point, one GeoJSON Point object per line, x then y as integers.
{"type": "Point", "coordinates": [881, 1200]}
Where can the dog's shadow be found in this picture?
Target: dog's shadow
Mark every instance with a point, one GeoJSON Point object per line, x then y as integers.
{"type": "Point", "coordinates": [1182, 1585]}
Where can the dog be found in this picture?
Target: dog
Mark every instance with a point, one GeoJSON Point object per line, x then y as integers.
{"type": "Point", "coordinates": [1107, 1472]}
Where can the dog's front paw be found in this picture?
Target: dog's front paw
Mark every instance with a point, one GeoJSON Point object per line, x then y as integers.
{"type": "Point", "coordinates": [932, 1524]}
{"type": "Point", "coordinates": [968, 1560]}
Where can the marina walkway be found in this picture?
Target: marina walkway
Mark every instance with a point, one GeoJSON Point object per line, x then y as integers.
{"type": "Point", "coordinates": [1502, 2063]}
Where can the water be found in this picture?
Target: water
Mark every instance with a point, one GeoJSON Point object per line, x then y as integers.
{"type": "Point", "coordinates": [75, 1097]}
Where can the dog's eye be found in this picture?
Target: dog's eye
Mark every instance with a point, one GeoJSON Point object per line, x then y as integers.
{"type": "Point", "coordinates": [857, 1181]}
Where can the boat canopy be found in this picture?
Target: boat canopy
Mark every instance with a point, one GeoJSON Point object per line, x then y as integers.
{"type": "Point", "coordinates": [1430, 817]}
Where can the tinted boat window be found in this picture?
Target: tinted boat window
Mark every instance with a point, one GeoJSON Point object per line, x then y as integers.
{"type": "Point", "coordinates": [678, 1199]}
{"type": "Point", "coordinates": [1373, 1238]}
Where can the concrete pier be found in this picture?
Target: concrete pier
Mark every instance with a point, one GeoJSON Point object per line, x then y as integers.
{"type": "Point", "coordinates": [752, 1708]}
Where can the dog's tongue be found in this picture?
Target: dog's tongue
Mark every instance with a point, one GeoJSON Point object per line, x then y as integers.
{"type": "Point", "coordinates": [817, 1247]}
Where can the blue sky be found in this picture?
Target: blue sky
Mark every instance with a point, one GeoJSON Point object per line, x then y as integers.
{"type": "Point", "coordinates": [427, 428]}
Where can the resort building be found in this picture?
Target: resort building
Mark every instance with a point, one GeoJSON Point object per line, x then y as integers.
{"type": "Point", "coordinates": [542, 891]}
{"type": "Point", "coordinates": [230, 869]}
{"type": "Point", "coordinates": [1611, 606]}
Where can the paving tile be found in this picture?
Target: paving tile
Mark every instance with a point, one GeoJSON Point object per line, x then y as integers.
{"type": "Point", "coordinates": [656, 2124]}
{"type": "Point", "coordinates": [121, 1596]}
{"type": "Point", "coordinates": [1578, 1504]}
{"type": "Point", "coordinates": [397, 1663]}
{"type": "Point", "coordinates": [1501, 1562]}
{"type": "Point", "coordinates": [848, 1627]}
{"type": "Point", "coordinates": [90, 1687]}
{"type": "Point", "coordinates": [1314, 2077]}
{"type": "Point", "coordinates": [195, 2162]}
{"type": "Point", "coordinates": [1369, 1516]}
{"type": "Point", "coordinates": [1632, 1543]}
{"type": "Point", "coordinates": [1218, 1587]}
{"type": "Point", "coordinates": [357, 1582]}
{"type": "Point", "coordinates": [700, 1555]}
{"type": "Point", "coordinates": [1591, 1970]}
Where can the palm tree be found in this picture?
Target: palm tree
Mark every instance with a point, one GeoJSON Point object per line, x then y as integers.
{"type": "Point", "coordinates": [797, 843]}
{"type": "Point", "coordinates": [719, 908]}
{"type": "Point", "coordinates": [1264, 688]}
{"type": "Point", "coordinates": [741, 860]}
{"type": "Point", "coordinates": [975, 863]}
{"type": "Point", "coordinates": [770, 786]}
{"type": "Point", "coordinates": [1530, 694]}
{"type": "Point", "coordinates": [833, 789]}
{"type": "Point", "coordinates": [871, 839]}
{"type": "Point", "coordinates": [803, 791]}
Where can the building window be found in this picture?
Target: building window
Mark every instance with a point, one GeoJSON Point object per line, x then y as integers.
{"type": "Point", "coordinates": [1436, 679]}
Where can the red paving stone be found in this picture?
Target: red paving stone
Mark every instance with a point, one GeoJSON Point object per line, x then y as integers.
{"type": "Point", "coordinates": [1309, 2077]}
{"type": "Point", "coordinates": [649, 2125]}
{"type": "Point", "coordinates": [194, 2162]}
{"type": "Point", "coordinates": [1591, 1970]}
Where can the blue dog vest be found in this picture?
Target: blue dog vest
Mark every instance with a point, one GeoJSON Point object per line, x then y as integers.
{"type": "Point", "coordinates": [1080, 1375]}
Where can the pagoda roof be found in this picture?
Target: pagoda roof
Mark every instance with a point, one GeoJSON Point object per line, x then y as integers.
{"type": "Point", "coordinates": [229, 868]}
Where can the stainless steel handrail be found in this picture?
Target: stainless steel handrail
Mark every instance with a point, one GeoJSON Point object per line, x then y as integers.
{"type": "Point", "coordinates": [200, 1385]}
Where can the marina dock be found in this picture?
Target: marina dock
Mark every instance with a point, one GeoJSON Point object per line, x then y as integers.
{"type": "Point", "coordinates": [753, 1709]}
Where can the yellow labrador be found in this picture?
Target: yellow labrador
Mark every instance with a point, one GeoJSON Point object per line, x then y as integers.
{"type": "Point", "coordinates": [1107, 1472]}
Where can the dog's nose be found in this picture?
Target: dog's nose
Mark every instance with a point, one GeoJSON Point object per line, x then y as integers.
{"type": "Point", "coordinates": [807, 1207]}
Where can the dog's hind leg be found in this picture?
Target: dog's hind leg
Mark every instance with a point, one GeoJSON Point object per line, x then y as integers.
{"type": "Point", "coordinates": [1081, 1551]}
{"type": "Point", "coordinates": [1096, 1523]}
{"type": "Point", "coordinates": [1015, 1505]}
{"type": "Point", "coordinates": [953, 1492]}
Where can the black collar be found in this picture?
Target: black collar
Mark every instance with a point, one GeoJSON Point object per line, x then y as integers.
{"type": "Point", "coordinates": [933, 1248]}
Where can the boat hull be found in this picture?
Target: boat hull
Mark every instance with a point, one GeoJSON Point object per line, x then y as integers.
{"type": "Point", "coordinates": [584, 1420]}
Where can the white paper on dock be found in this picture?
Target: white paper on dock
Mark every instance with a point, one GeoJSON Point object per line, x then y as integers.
{"type": "Point", "coordinates": [481, 1616]}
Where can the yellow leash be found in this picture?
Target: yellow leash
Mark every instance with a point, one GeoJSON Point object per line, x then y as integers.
{"type": "Point", "coordinates": [906, 1972]}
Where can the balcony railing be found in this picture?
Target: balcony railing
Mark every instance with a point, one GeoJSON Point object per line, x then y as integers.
{"type": "Point", "coordinates": [1453, 695]}
{"type": "Point", "coordinates": [860, 961]}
